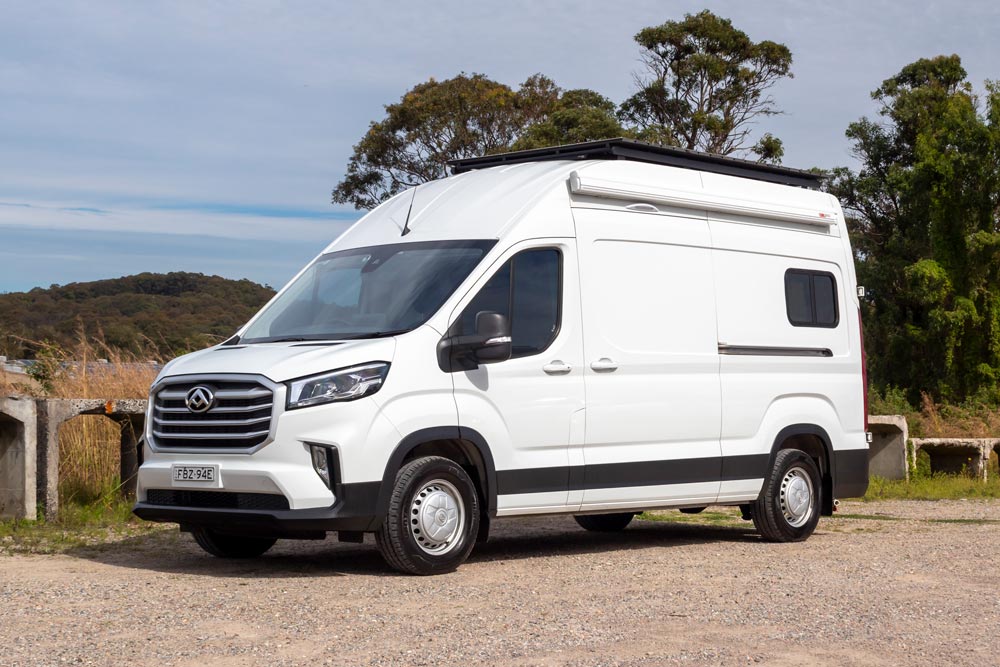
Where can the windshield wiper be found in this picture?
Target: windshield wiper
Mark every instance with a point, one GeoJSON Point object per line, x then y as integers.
{"type": "Point", "coordinates": [372, 334]}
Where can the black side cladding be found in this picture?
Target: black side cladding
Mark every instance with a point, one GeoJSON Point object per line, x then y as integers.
{"type": "Point", "coordinates": [850, 473]}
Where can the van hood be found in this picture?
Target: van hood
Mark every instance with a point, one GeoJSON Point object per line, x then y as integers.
{"type": "Point", "coordinates": [281, 361]}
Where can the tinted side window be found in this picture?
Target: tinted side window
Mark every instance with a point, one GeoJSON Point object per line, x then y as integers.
{"type": "Point", "coordinates": [811, 298]}
{"type": "Point", "coordinates": [825, 293]}
{"type": "Point", "coordinates": [494, 296]}
{"type": "Point", "coordinates": [527, 290]}
{"type": "Point", "coordinates": [798, 300]}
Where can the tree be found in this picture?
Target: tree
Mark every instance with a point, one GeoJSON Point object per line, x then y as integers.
{"type": "Point", "coordinates": [924, 211]}
{"type": "Point", "coordinates": [707, 84]}
{"type": "Point", "coordinates": [578, 115]}
{"type": "Point", "coordinates": [438, 121]}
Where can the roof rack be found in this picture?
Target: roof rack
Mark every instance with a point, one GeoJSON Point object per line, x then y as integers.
{"type": "Point", "coordinates": [640, 151]}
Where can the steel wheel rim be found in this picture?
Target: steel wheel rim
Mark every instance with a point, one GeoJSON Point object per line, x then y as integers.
{"type": "Point", "coordinates": [797, 497]}
{"type": "Point", "coordinates": [437, 517]}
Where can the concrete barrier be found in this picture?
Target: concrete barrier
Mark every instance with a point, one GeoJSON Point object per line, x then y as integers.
{"type": "Point", "coordinates": [887, 455]}
{"type": "Point", "coordinates": [18, 468]}
{"type": "Point", "coordinates": [54, 412]}
{"type": "Point", "coordinates": [968, 456]}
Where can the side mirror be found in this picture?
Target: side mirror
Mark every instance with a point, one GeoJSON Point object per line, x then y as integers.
{"type": "Point", "coordinates": [490, 344]}
{"type": "Point", "coordinates": [494, 330]}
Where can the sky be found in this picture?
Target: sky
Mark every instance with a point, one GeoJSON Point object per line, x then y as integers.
{"type": "Point", "coordinates": [207, 135]}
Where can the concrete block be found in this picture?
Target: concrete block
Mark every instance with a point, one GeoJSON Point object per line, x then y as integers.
{"type": "Point", "coordinates": [887, 451]}
{"type": "Point", "coordinates": [17, 459]}
{"type": "Point", "coordinates": [52, 413]}
{"type": "Point", "coordinates": [958, 455]}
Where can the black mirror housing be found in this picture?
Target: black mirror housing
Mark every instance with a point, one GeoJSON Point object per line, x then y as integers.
{"type": "Point", "coordinates": [489, 345]}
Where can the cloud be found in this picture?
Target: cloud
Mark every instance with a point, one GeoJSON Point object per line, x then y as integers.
{"type": "Point", "coordinates": [224, 221]}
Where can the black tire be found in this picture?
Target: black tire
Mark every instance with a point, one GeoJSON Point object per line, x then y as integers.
{"type": "Point", "coordinates": [693, 510]}
{"type": "Point", "coordinates": [231, 546]}
{"type": "Point", "coordinates": [401, 540]}
{"type": "Point", "coordinates": [778, 513]}
{"type": "Point", "coordinates": [605, 523]}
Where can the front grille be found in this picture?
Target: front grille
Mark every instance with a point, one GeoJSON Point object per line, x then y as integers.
{"type": "Point", "coordinates": [216, 499]}
{"type": "Point", "coordinates": [240, 417]}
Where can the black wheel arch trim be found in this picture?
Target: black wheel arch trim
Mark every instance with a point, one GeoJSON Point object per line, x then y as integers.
{"type": "Point", "coordinates": [486, 477]}
{"type": "Point", "coordinates": [845, 472]}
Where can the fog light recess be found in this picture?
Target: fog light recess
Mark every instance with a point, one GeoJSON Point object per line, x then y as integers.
{"type": "Point", "coordinates": [322, 460]}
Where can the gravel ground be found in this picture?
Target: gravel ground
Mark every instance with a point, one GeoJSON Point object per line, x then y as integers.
{"type": "Point", "coordinates": [885, 583]}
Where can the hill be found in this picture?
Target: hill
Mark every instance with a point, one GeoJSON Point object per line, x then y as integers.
{"type": "Point", "coordinates": [170, 313]}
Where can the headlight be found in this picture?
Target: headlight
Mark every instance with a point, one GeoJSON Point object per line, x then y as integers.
{"type": "Point", "coordinates": [344, 385]}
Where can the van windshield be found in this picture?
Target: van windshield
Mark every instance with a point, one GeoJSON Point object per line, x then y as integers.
{"type": "Point", "coordinates": [368, 292]}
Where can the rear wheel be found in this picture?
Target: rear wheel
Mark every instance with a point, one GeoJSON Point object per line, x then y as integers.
{"type": "Point", "coordinates": [433, 517]}
{"type": "Point", "coordinates": [605, 523]}
{"type": "Point", "coordinates": [789, 505]}
{"type": "Point", "coordinates": [231, 546]}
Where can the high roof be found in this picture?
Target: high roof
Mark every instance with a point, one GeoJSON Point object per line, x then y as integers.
{"type": "Point", "coordinates": [640, 151]}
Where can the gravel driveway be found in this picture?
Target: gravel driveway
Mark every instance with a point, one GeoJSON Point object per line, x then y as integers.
{"type": "Point", "coordinates": [886, 583]}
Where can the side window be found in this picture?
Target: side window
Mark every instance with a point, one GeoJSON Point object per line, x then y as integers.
{"type": "Point", "coordinates": [527, 290]}
{"type": "Point", "coordinates": [811, 298]}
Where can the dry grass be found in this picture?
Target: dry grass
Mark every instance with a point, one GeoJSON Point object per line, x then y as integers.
{"type": "Point", "coordinates": [972, 419]}
{"type": "Point", "coordinates": [89, 446]}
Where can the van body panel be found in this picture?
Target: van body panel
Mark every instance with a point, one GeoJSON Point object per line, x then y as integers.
{"type": "Point", "coordinates": [417, 397]}
{"type": "Point", "coordinates": [483, 204]}
{"type": "Point", "coordinates": [649, 309]}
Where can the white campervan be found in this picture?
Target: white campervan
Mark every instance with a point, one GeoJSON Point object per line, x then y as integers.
{"type": "Point", "coordinates": [594, 330]}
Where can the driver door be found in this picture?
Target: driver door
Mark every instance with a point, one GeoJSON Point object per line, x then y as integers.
{"type": "Point", "coordinates": [529, 408]}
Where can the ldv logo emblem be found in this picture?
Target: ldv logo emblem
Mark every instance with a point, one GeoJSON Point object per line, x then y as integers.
{"type": "Point", "coordinates": [199, 399]}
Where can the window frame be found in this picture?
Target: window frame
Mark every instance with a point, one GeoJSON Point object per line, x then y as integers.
{"type": "Point", "coordinates": [813, 323]}
{"type": "Point", "coordinates": [560, 268]}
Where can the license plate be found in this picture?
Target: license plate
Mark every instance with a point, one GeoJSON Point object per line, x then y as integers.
{"type": "Point", "coordinates": [195, 473]}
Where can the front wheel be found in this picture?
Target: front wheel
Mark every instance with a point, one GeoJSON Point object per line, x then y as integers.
{"type": "Point", "coordinates": [231, 546]}
{"type": "Point", "coordinates": [433, 517]}
{"type": "Point", "coordinates": [788, 507]}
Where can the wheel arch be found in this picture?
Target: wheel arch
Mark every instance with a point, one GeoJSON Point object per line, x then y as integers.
{"type": "Point", "coordinates": [465, 446]}
{"type": "Point", "coordinates": [814, 441]}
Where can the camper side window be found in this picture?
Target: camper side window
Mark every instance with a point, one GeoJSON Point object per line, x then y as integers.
{"type": "Point", "coordinates": [527, 290]}
{"type": "Point", "coordinates": [811, 298]}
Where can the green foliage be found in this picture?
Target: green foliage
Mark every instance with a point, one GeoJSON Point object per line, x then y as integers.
{"type": "Point", "coordinates": [890, 401]}
{"type": "Point", "coordinates": [46, 367]}
{"type": "Point", "coordinates": [466, 116]}
{"type": "Point", "coordinates": [707, 85]}
{"type": "Point", "coordinates": [90, 525]}
{"type": "Point", "coordinates": [437, 121]}
{"type": "Point", "coordinates": [933, 487]}
{"type": "Point", "coordinates": [578, 115]}
{"type": "Point", "coordinates": [171, 313]}
{"type": "Point", "coordinates": [925, 214]}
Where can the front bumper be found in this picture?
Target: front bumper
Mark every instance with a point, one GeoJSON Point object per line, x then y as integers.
{"type": "Point", "coordinates": [354, 510]}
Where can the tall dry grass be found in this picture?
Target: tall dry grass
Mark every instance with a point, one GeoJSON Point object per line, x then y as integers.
{"type": "Point", "coordinates": [89, 446]}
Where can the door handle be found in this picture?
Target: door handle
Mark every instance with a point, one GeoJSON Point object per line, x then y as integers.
{"type": "Point", "coordinates": [604, 365]}
{"type": "Point", "coordinates": [557, 368]}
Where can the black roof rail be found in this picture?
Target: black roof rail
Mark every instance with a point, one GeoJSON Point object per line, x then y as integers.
{"type": "Point", "coordinates": [640, 151]}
